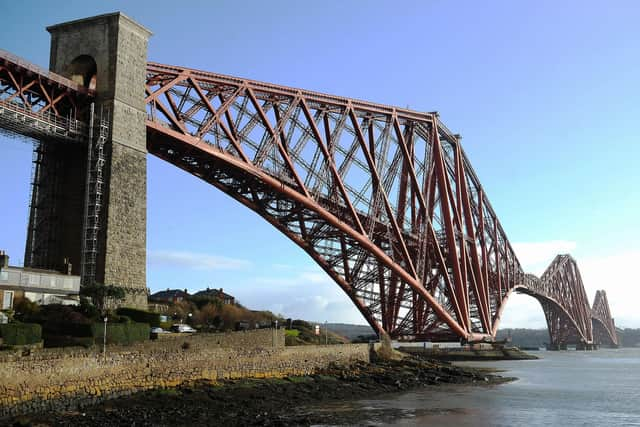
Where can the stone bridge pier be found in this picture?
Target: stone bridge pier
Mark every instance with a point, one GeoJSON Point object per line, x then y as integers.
{"type": "Point", "coordinates": [107, 53]}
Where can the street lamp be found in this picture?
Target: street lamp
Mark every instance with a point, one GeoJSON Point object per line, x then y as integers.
{"type": "Point", "coordinates": [104, 339]}
{"type": "Point", "coordinates": [326, 333]}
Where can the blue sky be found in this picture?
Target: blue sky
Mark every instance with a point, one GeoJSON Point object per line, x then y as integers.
{"type": "Point", "coordinates": [545, 94]}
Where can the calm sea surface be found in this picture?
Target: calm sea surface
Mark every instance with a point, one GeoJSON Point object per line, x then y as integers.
{"type": "Point", "coordinates": [568, 388]}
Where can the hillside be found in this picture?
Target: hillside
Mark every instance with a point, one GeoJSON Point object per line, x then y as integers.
{"type": "Point", "coordinates": [527, 338]}
{"type": "Point", "coordinates": [539, 337]}
{"type": "Point", "coordinates": [303, 333]}
{"type": "Point", "coordinates": [351, 332]}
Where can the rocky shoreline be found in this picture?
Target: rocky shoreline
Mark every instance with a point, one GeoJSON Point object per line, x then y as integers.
{"type": "Point", "coordinates": [268, 402]}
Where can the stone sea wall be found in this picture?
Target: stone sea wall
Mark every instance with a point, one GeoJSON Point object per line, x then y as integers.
{"type": "Point", "coordinates": [63, 379]}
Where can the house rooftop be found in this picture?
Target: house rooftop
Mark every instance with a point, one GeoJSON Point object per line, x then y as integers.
{"type": "Point", "coordinates": [170, 294]}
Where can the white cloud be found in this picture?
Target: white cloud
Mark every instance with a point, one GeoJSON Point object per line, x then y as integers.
{"type": "Point", "coordinates": [308, 294]}
{"type": "Point", "coordinates": [523, 311]}
{"type": "Point", "coordinates": [617, 275]}
{"type": "Point", "coordinates": [195, 261]}
{"type": "Point", "coordinates": [298, 279]}
{"type": "Point", "coordinates": [535, 257]}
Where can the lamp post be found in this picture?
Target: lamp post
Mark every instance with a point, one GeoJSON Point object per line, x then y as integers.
{"type": "Point", "coordinates": [104, 339]}
{"type": "Point", "coordinates": [326, 334]}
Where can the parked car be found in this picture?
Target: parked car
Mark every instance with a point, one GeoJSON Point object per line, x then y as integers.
{"type": "Point", "coordinates": [181, 328]}
{"type": "Point", "coordinates": [157, 330]}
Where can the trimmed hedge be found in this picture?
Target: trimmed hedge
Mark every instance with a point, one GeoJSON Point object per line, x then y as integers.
{"type": "Point", "coordinates": [67, 329]}
{"type": "Point", "coordinates": [166, 325]}
{"type": "Point", "coordinates": [67, 334]}
{"type": "Point", "coordinates": [141, 316]}
{"type": "Point", "coordinates": [20, 333]}
{"type": "Point", "coordinates": [67, 341]}
{"type": "Point", "coordinates": [121, 333]}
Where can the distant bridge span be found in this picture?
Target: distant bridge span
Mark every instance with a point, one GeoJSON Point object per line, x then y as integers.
{"type": "Point", "coordinates": [384, 199]}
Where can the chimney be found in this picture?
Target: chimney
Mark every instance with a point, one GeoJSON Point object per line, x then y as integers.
{"type": "Point", "coordinates": [67, 266]}
{"type": "Point", "coordinates": [4, 259]}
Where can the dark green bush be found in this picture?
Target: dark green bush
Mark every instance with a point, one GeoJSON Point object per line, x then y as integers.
{"type": "Point", "coordinates": [166, 325]}
{"type": "Point", "coordinates": [89, 310]}
{"type": "Point", "coordinates": [67, 341]}
{"type": "Point", "coordinates": [60, 328]}
{"type": "Point", "coordinates": [124, 319]}
{"type": "Point", "coordinates": [141, 316]}
{"type": "Point", "coordinates": [58, 313]}
{"type": "Point", "coordinates": [24, 309]}
{"type": "Point", "coordinates": [20, 333]}
{"type": "Point", "coordinates": [121, 333]}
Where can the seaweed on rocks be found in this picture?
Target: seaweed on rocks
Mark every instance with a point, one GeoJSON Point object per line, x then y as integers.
{"type": "Point", "coordinates": [268, 402]}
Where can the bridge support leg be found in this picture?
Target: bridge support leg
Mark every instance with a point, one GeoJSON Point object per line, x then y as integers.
{"type": "Point", "coordinates": [586, 346]}
{"type": "Point", "coordinates": [108, 52]}
{"type": "Point", "coordinates": [556, 347]}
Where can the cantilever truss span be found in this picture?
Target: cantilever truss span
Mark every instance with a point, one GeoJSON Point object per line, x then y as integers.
{"type": "Point", "coordinates": [604, 327]}
{"type": "Point", "coordinates": [384, 199]}
{"type": "Point", "coordinates": [564, 301]}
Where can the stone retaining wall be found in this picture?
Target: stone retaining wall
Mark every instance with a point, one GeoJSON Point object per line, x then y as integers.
{"type": "Point", "coordinates": [59, 380]}
{"type": "Point", "coordinates": [245, 339]}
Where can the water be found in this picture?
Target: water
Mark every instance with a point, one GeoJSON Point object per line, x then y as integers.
{"type": "Point", "coordinates": [569, 388]}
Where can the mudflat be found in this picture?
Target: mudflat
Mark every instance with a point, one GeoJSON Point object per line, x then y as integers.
{"type": "Point", "coordinates": [268, 402]}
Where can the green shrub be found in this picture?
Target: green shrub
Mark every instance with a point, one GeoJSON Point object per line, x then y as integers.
{"type": "Point", "coordinates": [62, 333]}
{"type": "Point", "coordinates": [61, 328]}
{"type": "Point", "coordinates": [166, 325]}
{"type": "Point", "coordinates": [67, 341]}
{"type": "Point", "coordinates": [121, 333]}
{"type": "Point", "coordinates": [124, 319]}
{"type": "Point", "coordinates": [20, 333]}
{"type": "Point", "coordinates": [141, 316]}
{"type": "Point", "coordinates": [89, 310]}
{"type": "Point", "coordinates": [24, 309]}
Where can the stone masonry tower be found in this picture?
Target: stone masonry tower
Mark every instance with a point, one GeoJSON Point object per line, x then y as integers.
{"type": "Point", "coordinates": [107, 53]}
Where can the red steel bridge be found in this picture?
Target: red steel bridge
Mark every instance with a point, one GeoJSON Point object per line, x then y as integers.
{"type": "Point", "coordinates": [384, 199]}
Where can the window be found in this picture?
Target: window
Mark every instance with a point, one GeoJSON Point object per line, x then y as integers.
{"type": "Point", "coordinates": [7, 300]}
{"type": "Point", "coordinates": [34, 279]}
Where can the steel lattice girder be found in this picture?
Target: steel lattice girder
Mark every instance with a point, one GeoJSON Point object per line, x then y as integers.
{"type": "Point", "coordinates": [384, 199]}
{"type": "Point", "coordinates": [37, 103]}
{"type": "Point", "coordinates": [604, 328]}
{"type": "Point", "coordinates": [564, 301]}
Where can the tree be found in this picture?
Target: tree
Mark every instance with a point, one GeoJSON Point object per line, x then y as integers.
{"type": "Point", "coordinates": [24, 309]}
{"type": "Point", "coordinates": [100, 294]}
{"type": "Point", "coordinates": [207, 315]}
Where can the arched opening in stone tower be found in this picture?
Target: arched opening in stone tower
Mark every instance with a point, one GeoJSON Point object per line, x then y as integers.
{"type": "Point", "coordinates": [83, 71]}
